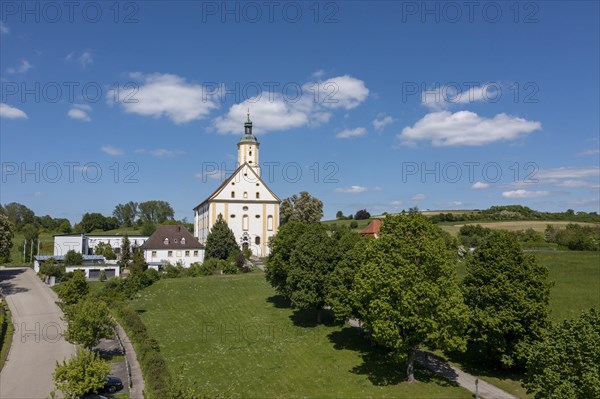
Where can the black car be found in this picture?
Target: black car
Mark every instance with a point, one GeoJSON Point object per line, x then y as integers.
{"type": "Point", "coordinates": [113, 384]}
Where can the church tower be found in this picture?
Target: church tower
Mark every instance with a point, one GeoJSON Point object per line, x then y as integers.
{"type": "Point", "coordinates": [248, 148]}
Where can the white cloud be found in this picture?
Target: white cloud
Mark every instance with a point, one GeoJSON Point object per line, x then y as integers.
{"type": "Point", "coordinates": [339, 92]}
{"type": "Point", "coordinates": [23, 67]}
{"type": "Point", "coordinates": [466, 128]}
{"type": "Point", "coordinates": [84, 58]}
{"type": "Point", "coordinates": [348, 133]}
{"type": "Point", "coordinates": [442, 97]}
{"type": "Point", "coordinates": [318, 74]}
{"type": "Point", "coordinates": [166, 95]}
{"type": "Point", "coordinates": [164, 153]}
{"type": "Point", "coordinates": [572, 183]}
{"type": "Point", "coordinates": [567, 173]}
{"type": "Point", "coordinates": [418, 197]}
{"type": "Point", "coordinates": [453, 204]}
{"type": "Point", "coordinates": [38, 194]}
{"type": "Point", "coordinates": [594, 151]}
{"type": "Point", "coordinates": [524, 194]}
{"type": "Point", "coordinates": [479, 186]}
{"type": "Point", "coordinates": [271, 111]}
{"type": "Point", "coordinates": [351, 189]}
{"type": "Point", "coordinates": [4, 28]}
{"type": "Point", "coordinates": [396, 203]}
{"type": "Point", "coordinates": [8, 112]}
{"type": "Point", "coordinates": [382, 121]}
{"type": "Point", "coordinates": [110, 150]}
{"type": "Point", "coordinates": [80, 112]}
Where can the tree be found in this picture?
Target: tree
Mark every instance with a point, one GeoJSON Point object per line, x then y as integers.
{"type": "Point", "coordinates": [19, 215]}
{"type": "Point", "coordinates": [413, 210]}
{"type": "Point", "coordinates": [155, 212]}
{"type": "Point", "coordinates": [304, 208]}
{"type": "Point", "coordinates": [148, 228]}
{"type": "Point", "coordinates": [138, 262]}
{"type": "Point", "coordinates": [105, 250]}
{"type": "Point", "coordinates": [566, 362]}
{"type": "Point", "coordinates": [126, 213]}
{"type": "Point", "coordinates": [65, 227]}
{"type": "Point", "coordinates": [6, 237]}
{"type": "Point", "coordinates": [507, 293]}
{"type": "Point", "coordinates": [406, 292]}
{"type": "Point", "coordinates": [86, 372]}
{"type": "Point", "coordinates": [74, 290]}
{"type": "Point", "coordinates": [92, 221]}
{"type": "Point", "coordinates": [340, 282]}
{"type": "Point", "coordinates": [220, 242]}
{"type": "Point", "coordinates": [125, 251]}
{"type": "Point", "coordinates": [88, 322]}
{"type": "Point", "coordinates": [278, 261]}
{"type": "Point", "coordinates": [339, 215]}
{"type": "Point", "coordinates": [362, 214]}
{"type": "Point", "coordinates": [312, 260]}
{"type": "Point", "coordinates": [73, 258]}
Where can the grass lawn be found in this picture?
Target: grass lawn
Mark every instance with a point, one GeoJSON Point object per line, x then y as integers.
{"type": "Point", "coordinates": [232, 334]}
{"type": "Point", "coordinates": [537, 225]}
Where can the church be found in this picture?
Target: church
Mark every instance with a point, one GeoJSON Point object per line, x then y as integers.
{"type": "Point", "coordinates": [248, 206]}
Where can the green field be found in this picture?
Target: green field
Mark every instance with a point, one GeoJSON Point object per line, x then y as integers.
{"type": "Point", "coordinates": [233, 334]}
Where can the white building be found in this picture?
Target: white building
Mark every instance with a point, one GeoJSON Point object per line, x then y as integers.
{"type": "Point", "coordinates": [172, 244]}
{"type": "Point", "coordinates": [86, 244]}
{"type": "Point", "coordinates": [247, 205]}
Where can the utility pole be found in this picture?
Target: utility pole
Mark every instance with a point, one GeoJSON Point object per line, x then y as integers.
{"type": "Point", "coordinates": [31, 250]}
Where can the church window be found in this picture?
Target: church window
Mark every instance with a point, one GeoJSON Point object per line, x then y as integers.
{"type": "Point", "coordinates": [245, 208]}
{"type": "Point", "coordinates": [245, 194]}
{"type": "Point", "coordinates": [257, 195]}
{"type": "Point", "coordinates": [166, 241]}
{"type": "Point", "coordinates": [257, 216]}
{"type": "Point", "coordinates": [270, 223]}
{"type": "Point", "coordinates": [233, 183]}
{"type": "Point", "coordinates": [250, 153]}
{"type": "Point", "coordinates": [257, 240]}
{"type": "Point", "coordinates": [233, 194]}
{"type": "Point", "coordinates": [232, 215]}
{"type": "Point", "coordinates": [245, 222]}
{"type": "Point", "coordinates": [249, 161]}
{"type": "Point", "coordinates": [256, 184]}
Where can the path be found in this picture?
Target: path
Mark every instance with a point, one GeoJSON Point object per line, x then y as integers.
{"type": "Point", "coordinates": [37, 342]}
{"type": "Point", "coordinates": [137, 380]}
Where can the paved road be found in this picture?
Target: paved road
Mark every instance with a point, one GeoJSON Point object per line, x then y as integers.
{"type": "Point", "coordinates": [37, 341]}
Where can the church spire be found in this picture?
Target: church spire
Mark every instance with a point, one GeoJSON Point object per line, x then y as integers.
{"type": "Point", "coordinates": [248, 125]}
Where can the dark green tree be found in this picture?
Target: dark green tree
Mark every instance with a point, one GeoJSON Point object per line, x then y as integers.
{"type": "Point", "coordinates": [125, 251]}
{"type": "Point", "coordinates": [126, 213]}
{"type": "Point", "coordinates": [362, 214]}
{"type": "Point", "coordinates": [339, 215]}
{"type": "Point", "coordinates": [88, 322]}
{"type": "Point", "coordinates": [73, 258]}
{"type": "Point", "coordinates": [313, 258]}
{"type": "Point", "coordinates": [278, 262]}
{"type": "Point", "coordinates": [507, 293]}
{"type": "Point", "coordinates": [19, 215]}
{"type": "Point", "coordinates": [6, 238]}
{"type": "Point", "coordinates": [155, 212]}
{"type": "Point", "coordinates": [220, 242]}
{"type": "Point", "coordinates": [406, 292]}
{"type": "Point", "coordinates": [138, 262]}
{"type": "Point", "coordinates": [565, 364]}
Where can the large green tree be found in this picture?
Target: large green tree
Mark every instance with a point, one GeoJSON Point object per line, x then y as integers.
{"type": "Point", "coordinates": [406, 290]}
{"type": "Point", "coordinates": [278, 261]}
{"type": "Point", "coordinates": [303, 208]}
{"type": "Point", "coordinates": [313, 258]}
{"type": "Point", "coordinates": [220, 242]}
{"type": "Point", "coordinates": [6, 237]}
{"type": "Point", "coordinates": [73, 258]}
{"type": "Point", "coordinates": [565, 364]}
{"type": "Point", "coordinates": [84, 373]}
{"type": "Point", "coordinates": [125, 255]}
{"type": "Point", "coordinates": [155, 212]}
{"type": "Point", "coordinates": [340, 282]}
{"type": "Point", "coordinates": [507, 293]}
{"type": "Point", "coordinates": [73, 290]}
{"type": "Point", "coordinates": [126, 213]}
{"type": "Point", "coordinates": [88, 322]}
{"type": "Point", "coordinates": [19, 215]}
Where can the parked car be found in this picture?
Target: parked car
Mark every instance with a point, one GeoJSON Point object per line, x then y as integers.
{"type": "Point", "coordinates": [113, 384]}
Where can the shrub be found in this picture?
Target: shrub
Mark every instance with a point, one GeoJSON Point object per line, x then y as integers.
{"type": "Point", "coordinates": [353, 224]}
{"type": "Point", "coordinates": [73, 258]}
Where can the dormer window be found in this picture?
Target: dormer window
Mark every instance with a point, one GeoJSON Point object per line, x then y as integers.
{"type": "Point", "coordinates": [183, 241]}
{"type": "Point", "coordinates": [166, 241]}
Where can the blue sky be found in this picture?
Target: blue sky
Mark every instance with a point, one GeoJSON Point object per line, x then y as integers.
{"type": "Point", "coordinates": [376, 105]}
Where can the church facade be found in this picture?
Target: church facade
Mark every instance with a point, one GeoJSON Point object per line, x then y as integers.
{"type": "Point", "coordinates": [248, 206]}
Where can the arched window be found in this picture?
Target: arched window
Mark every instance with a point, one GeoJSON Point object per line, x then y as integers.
{"type": "Point", "coordinates": [257, 195]}
{"type": "Point", "coordinates": [245, 194]}
{"type": "Point", "coordinates": [257, 240]}
{"type": "Point", "coordinates": [270, 223]}
{"type": "Point", "coordinates": [245, 223]}
{"type": "Point", "coordinates": [233, 194]}
{"type": "Point", "coordinates": [245, 208]}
